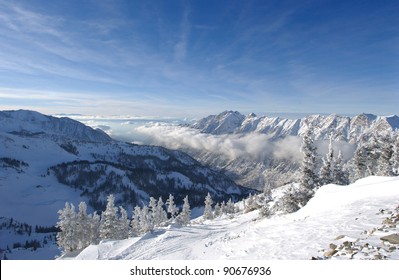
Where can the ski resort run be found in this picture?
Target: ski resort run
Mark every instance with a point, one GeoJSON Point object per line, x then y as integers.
{"type": "Point", "coordinates": [339, 222]}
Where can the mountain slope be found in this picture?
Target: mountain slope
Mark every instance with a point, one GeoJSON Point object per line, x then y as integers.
{"type": "Point", "coordinates": [347, 212]}
{"type": "Point", "coordinates": [24, 122]}
{"type": "Point", "coordinates": [47, 161]}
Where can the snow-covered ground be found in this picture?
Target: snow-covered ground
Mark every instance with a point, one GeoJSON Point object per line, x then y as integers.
{"type": "Point", "coordinates": [350, 215]}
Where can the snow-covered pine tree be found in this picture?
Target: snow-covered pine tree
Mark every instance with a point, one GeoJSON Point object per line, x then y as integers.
{"type": "Point", "coordinates": [94, 231]}
{"type": "Point", "coordinates": [208, 213]}
{"type": "Point", "coordinates": [251, 203]}
{"type": "Point", "coordinates": [223, 209]}
{"type": "Point", "coordinates": [123, 224]}
{"type": "Point", "coordinates": [83, 226]}
{"type": "Point", "coordinates": [161, 215]}
{"type": "Point", "coordinates": [135, 223]}
{"type": "Point", "coordinates": [248, 203]}
{"type": "Point", "coordinates": [230, 207]}
{"type": "Point", "coordinates": [385, 155]}
{"type": "Point", "coordinates": [172, 209]}
{"type": "Point", "coordinates": [395, 155]}
{"type": "Point", "coordinates": [185, 215]}
{"type": "Point", "coordinates": [267, 193]}
{"type": "Point", "coordinates": [327, 168]}
{"type": "Point", "coordinates": [216, 210]}
{"type": "Point", "coordinates": [340, 175]}
{"type": "Point", "coordinates": [359, 161]}
{"type": "Point", "coordinates": [146, 223]}
{"type": "Point", "coordinates": [66, 238]}
{"type": "Point", "coordinates": [109, 220]}
{"type": "Point", "coordinates": [373, 152]}
{"type": "Point", "coordinates": [152, 208]}
{"type": "Point", "coordinates": [308, 177]}
{"type": "Point", "coordinates": [287, 203]}
{"type": "Point", "coordinates": [267, 198]}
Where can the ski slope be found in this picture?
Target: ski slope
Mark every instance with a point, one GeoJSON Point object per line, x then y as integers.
{"type": "Point", "coordinates": [347, 212]}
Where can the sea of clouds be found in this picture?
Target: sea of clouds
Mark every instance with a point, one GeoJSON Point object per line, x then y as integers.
{"type": "Point", "coordinates": [176, 134]}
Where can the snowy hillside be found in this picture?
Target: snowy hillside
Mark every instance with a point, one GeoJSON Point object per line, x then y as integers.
{"type": "Point", "coordinates": [30, 123]}
{"type": "Point", "coordinates": [340, 222]}
{"type": "Point", "coordinates": [342, 128]}
{"type": "Point", "coordinates": [47, 161]}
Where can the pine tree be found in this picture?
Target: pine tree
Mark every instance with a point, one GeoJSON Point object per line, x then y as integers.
{"type": "Point", "coordinates": [185, 215]}
{"type": "Point", "coordinates": [373, 152]}
{"type": "Point", "coordinates": [223, 209]}
{"type": "Point", "coordinates": [123, 225]}
{"type": "Point", "coordinates": [135, 223]}
{"type": "Point", "coordinates": [152, 208]}
{"type": "Point", "coordinates": [208, 213]}
{"type": "Point", "coordinates": [385, 155]}
{"type": "Point", "coordinates": [172, 209]}
{"type": "Point", "coordinates": [248, 203]}
{"type": "Point", "coordinates": [309, 164]}
{"type": "Point", "coordinates": [94, 232]}
{"type": "Point", "coordinates": [230, 207]}
{"type": "Point", "coordinates": [109, 220]}
{"type": "Point", "coordinates": [146, 223]}
{"type": "Point", "coordinates": [359, 162]}
{"type": "Point", "coordinates": [394, 160]}
{"type": "Point", "coordinates": [267, 197]}
{"type": "Point", "coordinates": [83, 226]}
{"type": "Point", "coordinates": [267, 193]}
{"type": "Point", "coordinates": [216, 210]}
{"type": "Point", "coordinates": [340, 176]}
{"type": "Point", "coordinates": [327, 168]}
{"type": "Point", "coordinates": [66, 238]}
{"type": "Point", "coordinates": [161, 215]}
{"type": "Point", "coordinates": [251, 203]}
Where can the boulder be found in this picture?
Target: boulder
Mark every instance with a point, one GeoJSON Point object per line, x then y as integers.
{"type": "Point", "coordinates": [392, 238]}
{"type": "Point", "coordinates": [330, 253]}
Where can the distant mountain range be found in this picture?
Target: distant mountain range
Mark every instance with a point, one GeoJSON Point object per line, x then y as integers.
{"type": "Point", "coordinates": [340, 127]}
{"type": "Point", "coordinates": [255, 172]}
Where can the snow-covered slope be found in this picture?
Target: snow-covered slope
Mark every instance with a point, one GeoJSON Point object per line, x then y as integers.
{"type": "Point", "coordinates": [340, 216]}
{"type": "Point", "coordinates": [342, 128]}
{"type": "Point", "coordinates": [24, 122]}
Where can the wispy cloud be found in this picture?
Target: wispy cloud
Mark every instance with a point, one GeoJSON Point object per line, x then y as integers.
{"type": "Point", "coordinates": [256, 55]}
{"type": "Point", "coordinates": [181, 46]}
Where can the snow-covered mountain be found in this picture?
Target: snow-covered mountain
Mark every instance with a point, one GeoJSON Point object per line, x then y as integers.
{"type": "Point", "coordinates": [31, 123]}
{"type": "Point", "coordinates": [341, 222]}
{"type": "Point", "coordinates": [283, 135]}
{"type": "Point", "coordinates": [341, 128]}
{"type": "Point", "coordinates": [47, 161]}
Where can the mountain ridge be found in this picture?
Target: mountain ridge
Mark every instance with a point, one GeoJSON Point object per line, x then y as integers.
{"type": "Point", "coordinates": [31, 122]}
{"type": "Point", "coordinates": [342, 128]}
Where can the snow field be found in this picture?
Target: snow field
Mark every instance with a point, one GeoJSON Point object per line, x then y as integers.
{"type": "Point", "coordinates": [334, 211]}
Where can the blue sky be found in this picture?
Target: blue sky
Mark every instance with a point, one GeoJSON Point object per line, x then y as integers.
{"type": "Point", "coordinates": [193, 58]}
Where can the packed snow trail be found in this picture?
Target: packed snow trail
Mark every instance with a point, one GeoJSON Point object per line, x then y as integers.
{"type": "Point", "coordinates": [335, 210]}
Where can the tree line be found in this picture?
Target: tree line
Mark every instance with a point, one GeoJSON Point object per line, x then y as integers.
{"type": "Point", "coordinates": [78, 229]}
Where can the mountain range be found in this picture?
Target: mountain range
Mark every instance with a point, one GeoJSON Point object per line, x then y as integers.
{"type": "Point", "coordinates": [341, 128]}
{"type": "Point", "coordinates": [283, 135]}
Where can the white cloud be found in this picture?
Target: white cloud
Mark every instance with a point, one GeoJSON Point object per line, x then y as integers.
{"type": "Point", "coordinates": [253, 146]}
